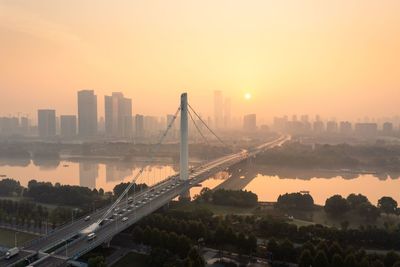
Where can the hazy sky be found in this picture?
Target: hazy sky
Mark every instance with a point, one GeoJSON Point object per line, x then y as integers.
{"type": "Point", "coordinates": [337, 58]}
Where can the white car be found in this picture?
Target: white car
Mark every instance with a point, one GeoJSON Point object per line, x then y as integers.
{"type": "Point", "coordinates": [124, 219]}
{"type": "Point", "coordinates": [87, 218]}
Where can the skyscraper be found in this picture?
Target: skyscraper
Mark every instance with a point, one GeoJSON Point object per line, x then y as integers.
{"type": "Point", "coordinates": [227, 113]}
{"type": "Point", "coordinates": [250, 122]}
{"type": "Point", "coordinates": [118, 115]}
{"type": "Point", "coordinates": [47, 123]}
{"type": "Point", "coordinates": [139, 126]}
{"type": "Point", "coordinates": [218, 109]}
{"type": "Point", "coordinates": [68, 125]}
{"type": "Point", "coordinates": [87, 113]}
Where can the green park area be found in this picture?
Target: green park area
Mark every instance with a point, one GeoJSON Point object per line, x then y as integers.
{"type": "Point", "coordinates": [7, 237]}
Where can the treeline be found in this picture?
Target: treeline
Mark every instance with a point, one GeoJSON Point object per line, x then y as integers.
{"type": "Point", "coordinates": [337, 206]}
{"type": "Point", "coordinates": [315, 245]}
{"type": "Point", "coordinates": [327, 254]}
{"type": "Point", "coordinates": [295, 201]}
{"type": "Point", "coordinates": [332, 156]}
{"type": "Point", "coordinates": [120, 188]}
{"type": "Point", "coordinates": [32, 216]}
{"type": "Point", "coordinates": [238, 198]}
{"type": "Point", "coordinates": [70, 195]}
{"type": "Point", "coordinates": [204, 229]}
{"type": "Point", "coordinates": [10, 187]}
{"type": "Point", "coordinates": [65, 195]}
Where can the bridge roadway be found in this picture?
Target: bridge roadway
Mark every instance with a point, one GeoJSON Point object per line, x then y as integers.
{"type": "Point", "coordinates": [68, 242]}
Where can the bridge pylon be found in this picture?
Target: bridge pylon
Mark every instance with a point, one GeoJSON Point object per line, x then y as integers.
{"type": "Point", "coordinates": [184, 146]}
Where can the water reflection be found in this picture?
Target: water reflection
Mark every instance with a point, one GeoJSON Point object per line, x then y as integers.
{"type": "Point", "coordinates": [90, 174]}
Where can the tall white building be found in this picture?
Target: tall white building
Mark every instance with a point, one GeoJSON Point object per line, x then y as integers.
{"type": "Point", "coordinates": [47, 123]}
{"type": "Point", "coordinates": [87, 113]}
{"type": "Point", "coordinates": [118, 115]}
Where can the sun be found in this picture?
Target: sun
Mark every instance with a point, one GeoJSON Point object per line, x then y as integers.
{"type": "Point", "coordinates": [247, 96]}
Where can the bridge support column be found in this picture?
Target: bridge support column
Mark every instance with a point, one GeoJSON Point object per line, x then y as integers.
{"type": "Point", "coordinates": [184, 145]}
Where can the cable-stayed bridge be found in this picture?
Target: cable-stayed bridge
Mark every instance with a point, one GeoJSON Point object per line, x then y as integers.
{"type": "Point", "coordinates": [71, 241]}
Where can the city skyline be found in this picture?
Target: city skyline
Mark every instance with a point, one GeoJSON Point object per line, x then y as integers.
{"type": "Point", "coordinates": [291, 57]}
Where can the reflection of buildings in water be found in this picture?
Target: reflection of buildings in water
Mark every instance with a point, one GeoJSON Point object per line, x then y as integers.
{"type": "Point", "coordinates": [46, 164]}
{"type": "Point", "coordinates": [15, 162]}
{"type": "Point", "coordinates": [88, 173]}
{"type": "Point", "coordinates": [117, 172]}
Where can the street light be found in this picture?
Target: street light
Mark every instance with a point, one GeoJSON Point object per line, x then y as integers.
{"type": "Point", "coordinates": [15, 238]}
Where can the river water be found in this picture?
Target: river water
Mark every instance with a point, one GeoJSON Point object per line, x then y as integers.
{"type": "Point", "coordinates": [266, 182]}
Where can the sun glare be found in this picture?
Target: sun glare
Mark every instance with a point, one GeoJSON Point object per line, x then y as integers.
{"type": "Point", "coordinates": [247, 96]}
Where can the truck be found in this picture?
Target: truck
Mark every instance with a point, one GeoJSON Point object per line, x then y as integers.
{"type": "Point", "coordinates": [12, 252]}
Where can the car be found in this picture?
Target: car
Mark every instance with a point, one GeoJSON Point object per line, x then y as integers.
{"type": "Point", "coordinates": [12, 252]}
{"type": "Point", "coordinates": [124, 219]}
{"type": "Point", "coordinates": [128, 210]}
{"type": "Point", "coordinates": [91, 236]}
{"type": "Point", "coordinates": [87, 218]}
{"type": "Point", "coordinates": [123, 210]}
{"type": "Point", "coordinates": [116, 209]}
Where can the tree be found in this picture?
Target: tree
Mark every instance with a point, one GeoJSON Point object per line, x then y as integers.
{"type": "Point", "coordinates": [377, 263]}
{"type": "Point", "coordinates": [337, 261]}
{"type": "Point", "coordinates": [97, 262]}
{"type": "Point", "coordinates": [336, 205]}
{"type": "Point", "coordinates": [369, 211]}
{"type": "Point", "coordinates": [296, 201]}
{"type": "Point", "coordinates": [195, 258]}
{"type": "Point", "coordinates": [344, 225]}
{"type": "Point", "coordinates": [390, 258]}
{"type": "Point", "coordinates": [273, 248]}
{"type": "Point", "coordinates": [356, 200]}
{"type": "Point", "coordinates": [320, 260]}
{"type": "Point", "coordinates": [350, 261]}
{"type": "Point", "coordinates": [305, 259]}
{"type": "Point", "coordinates": [387, 205]}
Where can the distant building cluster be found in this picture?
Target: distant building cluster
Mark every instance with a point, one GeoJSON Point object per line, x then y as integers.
{"type": "Point", "coordinates": [345, 128]}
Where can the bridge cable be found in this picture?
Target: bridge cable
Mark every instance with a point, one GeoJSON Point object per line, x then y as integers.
{"type": "Point", "coordinates": [132, 182]}
{"type": "Point", "coordinates": [205, 124]}
{"type": "Point", "coordinates": [197, 127]}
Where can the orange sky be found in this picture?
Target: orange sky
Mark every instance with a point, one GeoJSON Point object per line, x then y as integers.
{"type": "Point", "coordinates": [337, 58]}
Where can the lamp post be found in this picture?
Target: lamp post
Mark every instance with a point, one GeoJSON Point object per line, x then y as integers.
{"type": "Point", "coordinates": [15, 239]}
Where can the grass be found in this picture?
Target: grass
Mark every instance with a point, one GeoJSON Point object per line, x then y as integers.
{"type": "Point", "coordinates": [132, 259]}
{"type": "Point", "coordinates": [7, 237]}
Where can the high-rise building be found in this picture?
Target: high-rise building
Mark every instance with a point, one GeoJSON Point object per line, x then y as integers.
{"type": "Point", "coordinates": [47, 122]}
{"type": "Point", "coordinates": [366, 129]}
{"type": "Point", "coordinates": [318, 126]}
{"type": "Point", "coordinates": [87, 113]}
{"type": "Point", "coordinates": [331, 127]}
{"type": "Point", "coordinates": [346, 127]}
{"type": "Point", "coordinates": [250, 122]}
{"type": "Point", "coordinates": [139, 126]}
{"type": "Point", "coordinates": [387, 128]}
{"type": "Point", "coordinates": [118, 115]}
{"type": "Point", "coordinates": [24, 125]}
{"type": "Point", "coordinates": [227, 113]}
{"type": "Point", "coordinates": [218, 109]}
{"type": "Point", "coordinates": [68, 125]}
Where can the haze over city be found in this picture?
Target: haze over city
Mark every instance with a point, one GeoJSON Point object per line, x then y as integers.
{"type": "Point", "coordinates": [213, 133]}
{"type": "Point", "coordinates": [293, 57]}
